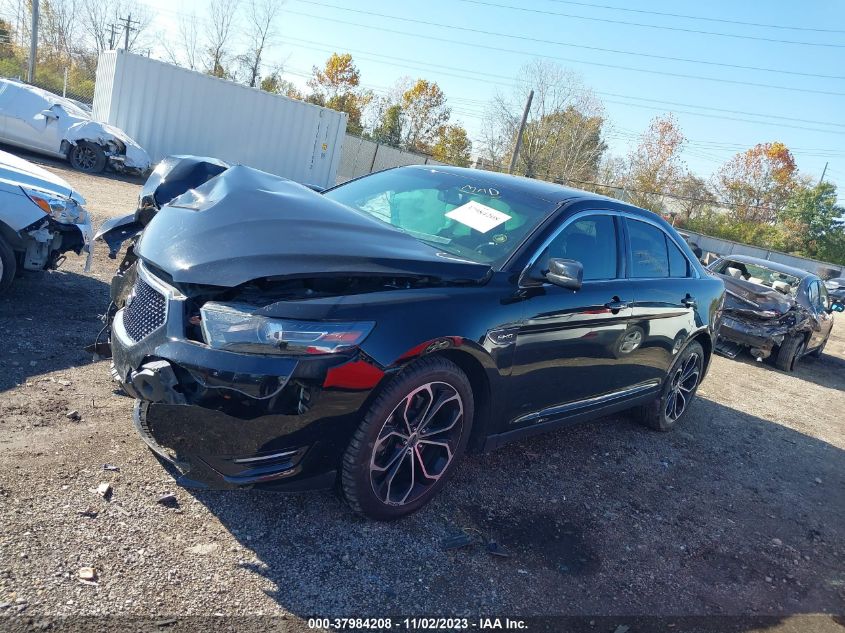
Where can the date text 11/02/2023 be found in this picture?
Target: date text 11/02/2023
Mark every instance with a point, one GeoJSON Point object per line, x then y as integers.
{"type": "Point", "coordinates": [412, 624]}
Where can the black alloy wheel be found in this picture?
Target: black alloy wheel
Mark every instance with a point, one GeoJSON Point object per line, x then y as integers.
{"type": "Point", "coordinates": [409, 440]}
{"type": "Point", "coordinates": [678, 391]}
{"type": "Point", "coordinates": [87, 157]}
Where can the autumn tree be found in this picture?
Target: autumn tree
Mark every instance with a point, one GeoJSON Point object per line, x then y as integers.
{"type": "Point", "coordinates": [654, 167]}
{"type": "Point", "coordinates": [452, 146]}
{"type": "Point", "coordinates": [425, 111]}
{"type": "Point", "coordinates": [756, 183]}
{"type": "Point", "coordinates": [563, 132]}
{"type": "Point", "coordinates": [693, 196]}
{"type": "Point", "coordinates": [260, 34]}
{"type": "Point", "coordinates": [275, 83]}
{"type": "Point", "coordinates": [337, 86]}
{"type": "Point", "coordinates": [184, 50]}
{"type": "Point", "coordinates": [221, 20]}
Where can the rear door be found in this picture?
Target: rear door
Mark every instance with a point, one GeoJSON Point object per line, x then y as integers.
{"type": "Point", "coordinates": [663, 287]}
{"type": "Point", "coordinates": [566, 352]}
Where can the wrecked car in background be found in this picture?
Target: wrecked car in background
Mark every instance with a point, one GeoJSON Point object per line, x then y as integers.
{"type": "Point", "coordinates": [46, 123]}
{"type": "Point", "coordinates": [278, 338]}
{"type": "Point", "coordinates": [773, 310]}
{"type": "Point", "coordinates": [41, 218]}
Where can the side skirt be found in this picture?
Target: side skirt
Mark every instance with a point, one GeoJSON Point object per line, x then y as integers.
{"type": "Point", "coordinates": [494, 442]}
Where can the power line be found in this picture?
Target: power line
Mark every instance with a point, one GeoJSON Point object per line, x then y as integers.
{"type": "Point", "coordinates": [656, 26]}
{"type": "Point", "coordinates": [426, 65]}
{"type": "Point", "coordinates": [697, 17]}
{"type": "Point", "coordinates": [612, 50]}
{"type": "Point", "coordinates": [501, 49]}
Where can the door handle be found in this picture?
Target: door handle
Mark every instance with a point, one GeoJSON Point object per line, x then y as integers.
{"type": "Point", "coordinates": [689, 302]}
{"type": "Point", "coordinates": [616, 304]}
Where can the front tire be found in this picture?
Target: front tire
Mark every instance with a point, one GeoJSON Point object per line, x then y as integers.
{"type": "Point", "coordinates": [678, 391]}
{"type": "Point", "coordinates": [8, 266]}
{"type": "Point", "coordinates": [409, 441]}
{"type": "Point", "coordinates": [87, 157]}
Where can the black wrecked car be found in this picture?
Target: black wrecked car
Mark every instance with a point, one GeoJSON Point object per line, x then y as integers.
{"type": "Point", "coordinates": [773, 310]}
{"type": "Point", "coordinates": [276, 337]}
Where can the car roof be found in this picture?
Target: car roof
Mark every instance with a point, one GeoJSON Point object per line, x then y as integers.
{"type": "Point", "coordinates": [765, 263]}
{"type": "Point", "coordinates": [548, 191]}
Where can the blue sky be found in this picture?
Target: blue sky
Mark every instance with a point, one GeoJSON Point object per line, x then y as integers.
{"type": "Point", "coordinates": [805, 112]}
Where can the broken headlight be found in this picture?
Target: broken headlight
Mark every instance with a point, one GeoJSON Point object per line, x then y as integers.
{"type": "Point", "coordinates": [61, 209]}
{"type": "Point", "coordinates": [233, 327]}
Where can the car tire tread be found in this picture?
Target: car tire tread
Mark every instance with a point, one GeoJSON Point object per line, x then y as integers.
{"type": "Point", "coordinates": [359, 446]}
{"type": "Point", "coordinates": [9, 265]}
{"type": "Point", "coordinates": [652, 415]}
{"type": "Point", "coordinates": [787, 356]}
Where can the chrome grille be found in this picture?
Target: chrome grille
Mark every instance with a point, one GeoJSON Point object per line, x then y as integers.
{"type": "Point", "coordinates": [145, 311]}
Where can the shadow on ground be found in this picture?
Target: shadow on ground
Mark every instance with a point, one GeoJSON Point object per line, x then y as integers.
{"type": "Point", "coordinates": [46, 319]}
{"type": "Point", "coordinates": [731, 513]}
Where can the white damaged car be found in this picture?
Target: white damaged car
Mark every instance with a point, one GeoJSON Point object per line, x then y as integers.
{"type": "Point", "coordinates": [46, 123]}
{"type": "Point", "coordinates": [41, 218]}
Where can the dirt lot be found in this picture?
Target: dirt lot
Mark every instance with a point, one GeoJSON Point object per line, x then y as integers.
{"type": "Point", "coordinates": [741, 511]}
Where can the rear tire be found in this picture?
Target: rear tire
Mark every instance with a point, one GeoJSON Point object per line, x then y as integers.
{"type": "Point", "coordinates": [677, 393]}
{"type": "Point", "coordinates": [790, 353]}
{"type": "Point", "coordinates": [402, 454]}
{"type": "Point", "coordinates": [87, 157]}
{"type": "Point", "coordinates": [8, 266]}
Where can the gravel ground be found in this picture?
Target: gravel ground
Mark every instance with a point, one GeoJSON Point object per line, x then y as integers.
{"type": "Point", "coordinates": [740, 511]}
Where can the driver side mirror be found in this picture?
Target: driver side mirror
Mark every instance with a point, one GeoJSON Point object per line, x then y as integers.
{"type": "Point", "coordinates": [566, 273]}
{"type": "Point", "coordinates": [836, 307]}
{"type": "Point", "coordinates": [49, 114]}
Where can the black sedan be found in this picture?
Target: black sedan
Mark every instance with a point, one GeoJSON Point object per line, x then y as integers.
{"type": "Point", "coordinates": [280, 338]}
{"type": "Point", "coordinates": [773, 310]}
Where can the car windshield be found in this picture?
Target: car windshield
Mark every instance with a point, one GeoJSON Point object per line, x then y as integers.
{"type": "Point", "coordinates": [460, 215]}
{"type": "Point", "coordinates": [756, 274]}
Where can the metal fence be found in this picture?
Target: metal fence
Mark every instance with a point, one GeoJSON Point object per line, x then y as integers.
{"type": "Point", "coordinates": [361, 156]}
{"type": "Point", "coordinates": [716, 245]}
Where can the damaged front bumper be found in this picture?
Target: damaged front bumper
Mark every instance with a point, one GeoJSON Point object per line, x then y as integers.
{"type": "Point", "coordinates": [225, 419]}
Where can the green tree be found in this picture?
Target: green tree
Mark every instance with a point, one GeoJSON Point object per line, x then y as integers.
{"type": "Point", "coordinates": [389, 128]}
{"type": "Point", "coordinates": [812, 222]}
{"type": "Point", "coordinates": [453, 146]}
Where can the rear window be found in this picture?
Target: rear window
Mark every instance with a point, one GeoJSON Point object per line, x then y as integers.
{"type": "Point", "coordinates": [649, 255]}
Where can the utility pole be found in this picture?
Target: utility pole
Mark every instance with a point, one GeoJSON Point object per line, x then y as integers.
{"type": "Point", "coordinates": [127, 26]}
{"type": "Point", "coordinates": [33, 43]}
{"type": "Point", "coordinates": [516, 147]}
{"type": "Point", "coordinates": [824, 171]}
{"type": "Point", "coordinates": [113, 34]}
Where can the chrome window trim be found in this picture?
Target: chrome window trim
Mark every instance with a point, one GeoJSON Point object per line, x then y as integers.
{"type": "Point", "coordinates": [610, 212]}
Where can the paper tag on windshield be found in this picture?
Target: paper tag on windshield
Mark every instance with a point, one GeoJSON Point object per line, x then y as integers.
{"type": "Point", "coordinates": [478, 216]}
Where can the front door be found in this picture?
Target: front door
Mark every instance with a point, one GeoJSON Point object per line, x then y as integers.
{"type": "Point", "coordinates": [571, 347]}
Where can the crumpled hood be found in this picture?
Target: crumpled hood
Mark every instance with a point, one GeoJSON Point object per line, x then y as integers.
{"type": "Point", "coordinates": [102, 133]}
{"type": "Point", "coordinates": [246, 224]}
{"type": "Point", "coordinates": [18, 171]}
{"type": "Point", "coordinates": [744, 295]}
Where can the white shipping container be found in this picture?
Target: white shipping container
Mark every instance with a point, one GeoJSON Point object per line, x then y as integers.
{"type": "Point", "coordinates": [172, 110]}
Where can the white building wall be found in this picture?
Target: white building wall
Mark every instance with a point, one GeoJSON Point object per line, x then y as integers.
{"type": "Point", "coordinates": [172, 110]}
